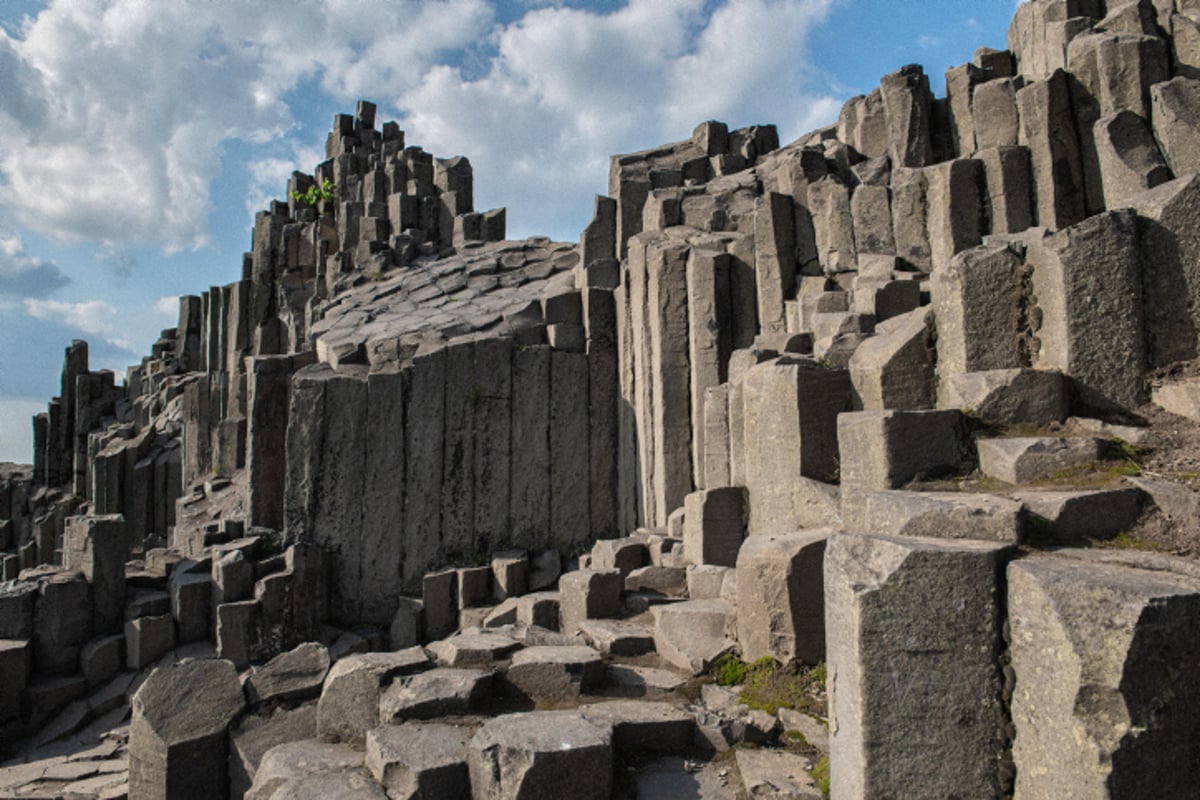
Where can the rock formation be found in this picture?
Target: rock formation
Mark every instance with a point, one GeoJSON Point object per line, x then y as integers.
{"type": "Point", "coordinates": [831, 401]}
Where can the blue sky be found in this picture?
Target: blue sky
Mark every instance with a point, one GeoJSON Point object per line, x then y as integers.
{"type": "Point", "coordinates": [137, 137]}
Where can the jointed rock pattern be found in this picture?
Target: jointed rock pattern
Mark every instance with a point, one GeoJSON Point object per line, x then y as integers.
{"type": "Point", "coordinates": [470, 516]}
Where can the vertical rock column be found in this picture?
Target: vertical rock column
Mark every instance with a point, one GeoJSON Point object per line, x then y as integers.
{"type": "Point", "coordinates": [99, 547]}
{"type": "Point", "coordinates": [914, 638]}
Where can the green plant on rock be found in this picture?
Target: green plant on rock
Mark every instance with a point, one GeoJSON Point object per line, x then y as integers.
{"type": "Point", "coordinates": [820, 774]}
{"type": "Point", "coordinates": [316, 194]}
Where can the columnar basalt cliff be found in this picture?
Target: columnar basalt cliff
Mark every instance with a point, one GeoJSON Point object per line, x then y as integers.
{"type": "Point", "coordinates": [877, 399]}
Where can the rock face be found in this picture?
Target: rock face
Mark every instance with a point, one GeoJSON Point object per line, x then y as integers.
{"type": "Point", "coordinates": [177, 737]}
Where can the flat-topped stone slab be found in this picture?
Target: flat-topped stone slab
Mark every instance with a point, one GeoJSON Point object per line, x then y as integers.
{"type": "Point", "coordinates": [693, 634]}
{"type": "Point", "coordinates": [297, 761]}
{"type": "Point", "coordinates": [541, 754]}
{"type": "Point", "coordinates": [349, 704]}
{"type": "Point", "coordinates": [1081, 515]}
{"type": "Point", "coordinates": [612, 637]}
{"type": "Point", "coordinates": [473, 648]}
{"type": "Point", "coordinates": [556, 673]}
{"type": "Point", "coordinates": [439, 692]}
{"type": "Point", "coordinates": [641, 726]}
{"type": "Point", "coordinates": [420, 760]}
{"type": "Point", "coordinates": [943, 515]}
{"type": "Point", "coordinates": [631, 680]}
{"type": "Point", "coordinates": [1022, 459]}
{"type": "Point", "coordinates": [776, 773]}
{"type": "Point", "coordinates": [296, 674]}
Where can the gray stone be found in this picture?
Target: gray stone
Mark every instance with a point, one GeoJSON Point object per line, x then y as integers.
{"type": "Point", "coordinates": [177, 735]}
{"type": "Point", "coordinates": [676, 778]}
{"type": "Point", "coordinates": [588, 594]}
{"type": "Point", "coordinates": [15, 662]}
{"type": "Point", "coordinates": [994, 107]}
{"type": "Point", "coordinates": [541, 754]}
{"type": "Point", "coordinates": [1008, 396]}
{"type": "Point", "coordinates": [666, 580]}
{"type": "Point", "coordinates": [99, 547]}
{"type": "Point", "coordinates": [62, 621]}
{"type": "Point", "coordinates": [510, 574]}
{"type": "Point", "coordinates": [349, 705]}
{"type": "Point", "coordinates": [1169, 242]}
{"type": "Point", "coordinates": [16, 610]}
{"type": "Point", "coordinates": [295, 675]}
{"type": "Point", "coordinates": [885, 299]}
{"type": "Point", "coordinates": [539, 608]}
{"type": "Point", "coordinates": [714, 525]}
{"type": "Point", "coordinates": [893, 369]}
{"type": "Point", "coordinates": [406, 629]}
{"type": "Point", "coordinates": [1009, 179]}
{"type": "Point", "coordinates": [1082, 516]}
{"type": "Point", "coordinates": [419, 762]}
{"type": "Point", "coordinates": [693, 635]}
{"type": "Point", "coordinates": [914, 645]}
{"type": "Point", "coordinates": [1088, 284]}
{"type": "Point", "coordinates": [1129, 159]}
{"type": "Point", "coordinates": [1174, 105]}
{"type": "Point", "coordinates": [288, 768]}
{"type": "Point", "coordinates": [624, 555]}
{"type": "Point", "coordinates": [1090, 730]}
{"type": "Point", "coordinates": [943, 515]}
{"type": "Point", "coordinates": [191, 601]}
{"type": "Point", "coordinates": [909, 211]}
{"type": "Point", "coordinates": [239, 632]}
{"type": "Point", "coordinates": [640, 727]}
{"type": "Point", "coordinates": [252, 736]}
{"type": "Point", "coordinates": [833, 223]}
{"type": "Point", "coordinates": [955, 209]}
{"type": "Point", "coordinates": [556, 674]}
{"type": "Point", "coordinates": [871, 212]}
{"type": "Point", "coordinates": [779, 607]}
{"type": "Point", "coordinates": [232, 578]}
{"type": "Point", "coordinates": [440, 603]}
{"type": "Point", "coordinates": [705, 580]}
{"type": "Point", "coordinates": [437, 693]}
{"type": "Point", "coordinates": [474, 586]}
{"type": "Point", "coordinates": [906, 103]}
{"type": "Point", "coordinates": [977, 300]}
{"type": "Point", "coordinates": [615, 638]}
{"type": "Point", "coordinates": [1048, 129]}
{"type": "Point", "coordinates": [148, 639]}
{"type": "Point", "coordinates": [473, 648]}
{"type": "Point", "coordinates": [777, 773]}
{"type": "Point", "coordinates": [1021, 459]}
{"type": "Point", "coordinates": [544, 570]}
{"type": "Point", "coordinates": [791, 407]}
{"type": "Point", "coordinates": [101, 659]}
{"type": "Point", "coordinates": [887, 449]}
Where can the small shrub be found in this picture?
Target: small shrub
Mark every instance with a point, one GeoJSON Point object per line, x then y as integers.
{"type": "Point", "coordinates": [728, 670]}
{"type": "Point", "coordinates": [820, 774]}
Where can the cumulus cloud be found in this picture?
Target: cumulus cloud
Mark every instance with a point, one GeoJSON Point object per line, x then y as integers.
{"type": "Point", "coordinates": [167, 306]}
{"type": "Point", "coordinates": [112, 119]}
{"type": "Point", "coordinates": [91, 316]}
{"type": "Point", "coordinates": [112, 114]}
{"type": "Point", "coordinates": [24, 275]}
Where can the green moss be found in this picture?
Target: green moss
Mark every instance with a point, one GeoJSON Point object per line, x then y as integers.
{"type": "Point", "coordinates": [1123, 541]}
{"type": "Point", "coordinates": [728, 670]}
{"type": "Point", "coordinates": [768, 687]}
{"type": "Point", "coordinates": [820, 774]}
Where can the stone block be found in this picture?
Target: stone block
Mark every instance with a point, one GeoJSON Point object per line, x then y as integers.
{"type": "Point", "coordinates": [1088, 285]}
{"type": "Point", "coordinates": [639, 726]}
{"type": "Point", "coordinates": [177, 735]}
{"type": "Point", "coordinates": [1008, 396]}
{"type": "Point", "coordinates": [774, 257]}
{"type": "Point", "coordinates": [870, 208]}
{"type": "Point", "coordinates": [885, 299]}
{"type": "Point", "coordinates": [16, 610]}
{"type": "Point", "coordinates": [943, 515]}
{"type": "Point", "coordinates": [893, 369]}
{"type": "Point", "coordinates": [349, 704]}
{"type": "Point", "coordinates": [1048, 130]}
{"type": "Point", "coordinates": [694, 634]}
{"type": "Point", "coordinates": [716, 437]}
{"type": "Point", "coordinates": [474, 586]}
{"type": "Point", "coordinates": [887, 449]}
{"type": "Point", "coordinates": [406, 628]}
{"type": "Point", "coordinates": [780, 611]}
{"type": "Point", "coordinates": [624, 555]}
{"type": "Point", "coordinates": [569, 436]}
{"type": "Point", "coordinates": [994, 112]}
{"type": "Point", "coordinates": [440, 603]}
{"type": "Point", "coordinates": [15, 665]}
{"type": "Point", "coordinates": [1176, 121]}
{"type": "Point", "coordinates": [473, 647]}
{"type": "Point", "coordinates": [1129, 158]}
{"type": "Point", "coordinates": [294, 676]}
{"type": "Point", "coordinates": [833, 224]}
{"type": "Point", "coordinates": [715, 524]}
{"type": "Point", "coordinates": [1009, 181]}
{"type": "Point", "coordinates": [419, 761]}
{"type": "Point", "coordinates": [148, 639]}
{"type": "Point", "coordinates": [913, 657]}
{"type": "Point", "coordinates": [955, 208]}
{"type": "Point", "coordinates": [978, 299]}
{"type": "Point", "coordinates": [1021, 459]}
{"type": "Point", "coordinates": [791, 407]}
{"type": "Point", "coordinates": [101, 659]}
{"type": "Point", "coordinates": [510, 574]}
{"type": "Point", "coordinates": [436, 693]}
{"type": "Point", "coordinates": [906, 103]}
{"type": "Point", "coordinates": [610, 637]}
{"type": "Point", "coordinates": [588, 594]}
{"type": "Point", "coordinates": [1118, 722]}
{"type": "Point", "coordinates": [191, 602]}
{"type": "Point", "coordinates": [252, 736]}
{"type": "Point", "coordinates": [910, 188]}
{"type": "Point", "coordinates": [1169, 243]}
{"type": "Point", "coordinates": [541, 754]}
{"type": "Point", "coordinates": [62, 621]}
{"type": "Point", "coordinates": [99, 547]}
{"type": "Point", "coordinates": [544, 570]}
{"type": "Point", "coordinates": [239, 631]}
{"type": "Point", "coordinates": [556, 673]}
{"type": "Point", "coordinates": [1078, 517]}
{"type": "Point", "coordinates": [658, 579]}
{"type": "Point", "coordinates": [232, 578]}
{"type": "Point", "coordinates": [540, 609]}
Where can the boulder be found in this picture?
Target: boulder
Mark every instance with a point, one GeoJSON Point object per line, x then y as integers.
{"type": "Point", "coordinates": [254, 734]}
{"type": "Point", "coordinates": [541, 754]}
{"type": "Point", "coordinates": [287, 767]}
{"type": "Point", "coordinates": [349, 704]}
{"type": "Point", "coordinates": [694, 634]}
{"type": "Point", "coordinates": [419, 761]}
{"type": "Point", "coordinates": [473, 648]}
{"type": "Point", "coordinates": [588, 594]}
{"type": "Point", "coordinates": [556, 673]}
{"type": "Point", "coordinates": [780, 612]}
{"type": "Point", "coordinates": [177, 734]}
{"type": "Point", "coordinates": [297, 674]}
{"type": "Point", "coordinates": [439, 692]}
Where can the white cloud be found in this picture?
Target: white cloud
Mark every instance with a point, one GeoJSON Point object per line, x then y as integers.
{"type": "Point", "coordinates": [167, 306]}
{"type": "Point", "coordinates": [24, 275]}
{"type": "Point", "coordinates": [91, 316]}
{"type": "Point", "coordinates": [16, 428]}
{"type": "Point", "coordinates": [112, 117]}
